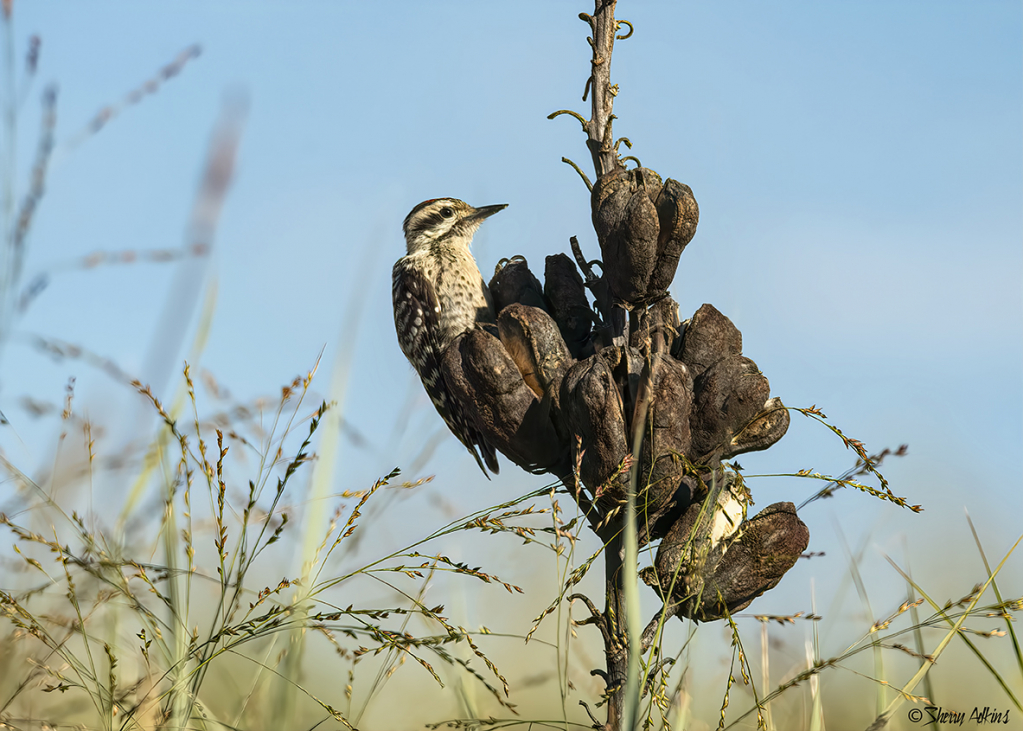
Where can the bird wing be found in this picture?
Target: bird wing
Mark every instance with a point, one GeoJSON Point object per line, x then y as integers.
{"type": "Point", "coordinates": [417, 321]}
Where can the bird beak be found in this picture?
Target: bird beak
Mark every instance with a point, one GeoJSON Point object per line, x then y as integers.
{"type": "Point", "coordinates": [487, 211]}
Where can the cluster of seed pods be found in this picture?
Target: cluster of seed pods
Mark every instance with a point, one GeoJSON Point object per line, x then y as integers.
{"type": "Point", "coordinates": [577, 364]}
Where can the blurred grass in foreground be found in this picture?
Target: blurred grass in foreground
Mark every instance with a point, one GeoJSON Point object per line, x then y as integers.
{"type": "Point", "coordinates": [170, 621]}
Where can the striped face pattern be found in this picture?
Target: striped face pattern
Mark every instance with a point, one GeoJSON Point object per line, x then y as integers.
{"type": "Point", "coordinates": [443, 220]}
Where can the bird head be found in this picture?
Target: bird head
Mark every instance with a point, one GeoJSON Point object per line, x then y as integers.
{"type": "Point", "coordinates": [444, 220]}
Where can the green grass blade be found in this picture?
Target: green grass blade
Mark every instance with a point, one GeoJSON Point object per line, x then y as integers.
{"type": "Point", "coordinates": [884, 717]}
{"type": "Point", "coordinates": [998, 595]}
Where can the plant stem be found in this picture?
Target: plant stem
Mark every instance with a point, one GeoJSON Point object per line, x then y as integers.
{"type": "Point", "coordinates": [598, 129]}
{"type": "Point", "coordinates": [616, 647]}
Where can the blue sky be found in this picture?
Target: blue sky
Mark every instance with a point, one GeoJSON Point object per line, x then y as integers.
{"type": "Point", "coordinates": [857, 166]}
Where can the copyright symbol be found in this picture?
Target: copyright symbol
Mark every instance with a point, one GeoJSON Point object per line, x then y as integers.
{"type": "Point", "coordinates": [915, 715]}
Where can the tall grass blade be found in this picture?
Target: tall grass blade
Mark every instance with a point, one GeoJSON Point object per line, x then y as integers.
{"type": "Point", "coordinates": [998, 595]}
{"type": "Point", "coordinates": [861, 589]}
{"type": "Point", "coordinates": [907, 689]}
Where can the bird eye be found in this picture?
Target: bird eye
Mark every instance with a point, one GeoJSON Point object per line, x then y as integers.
{"type": "Point", "coordinates": [447, 212]}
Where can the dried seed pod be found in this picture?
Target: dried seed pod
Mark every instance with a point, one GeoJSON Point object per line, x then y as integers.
{"type": "Point", "coordinates": [642, 225]}
{"type": "Point", "coordinates": [591, 405]}
{"type": "Point", "coordinates": [763, 431]}
{"type": "Point", "coordinates": [479, 372]}
{"type": "Point", "coordinates": [534, 342]}
{"type": "Point", "coordinates": [564, 289]}
{"type": "Point", "coordinates": [514, 282]}
{"type": "Point", "coordinates": [709, 567]}
{"type": "Point", "coordinates": [708, 337]}
{"type": "Point", "coordinates": [770, 544]}
{"type": "Point", "coordinates": [666, 441]}
{"type": "Point", "coordinates": [678, 215]}
{"type": "Point", "coordinates": [726, 398]}
{"type": "Point", "coordinates": [591, 408]}
{"type": "Point", "coordinates": [694, 545]}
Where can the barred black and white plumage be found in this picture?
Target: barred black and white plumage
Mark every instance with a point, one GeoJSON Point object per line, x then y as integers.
{"type": "Point", "coordinates": [439, 294]}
